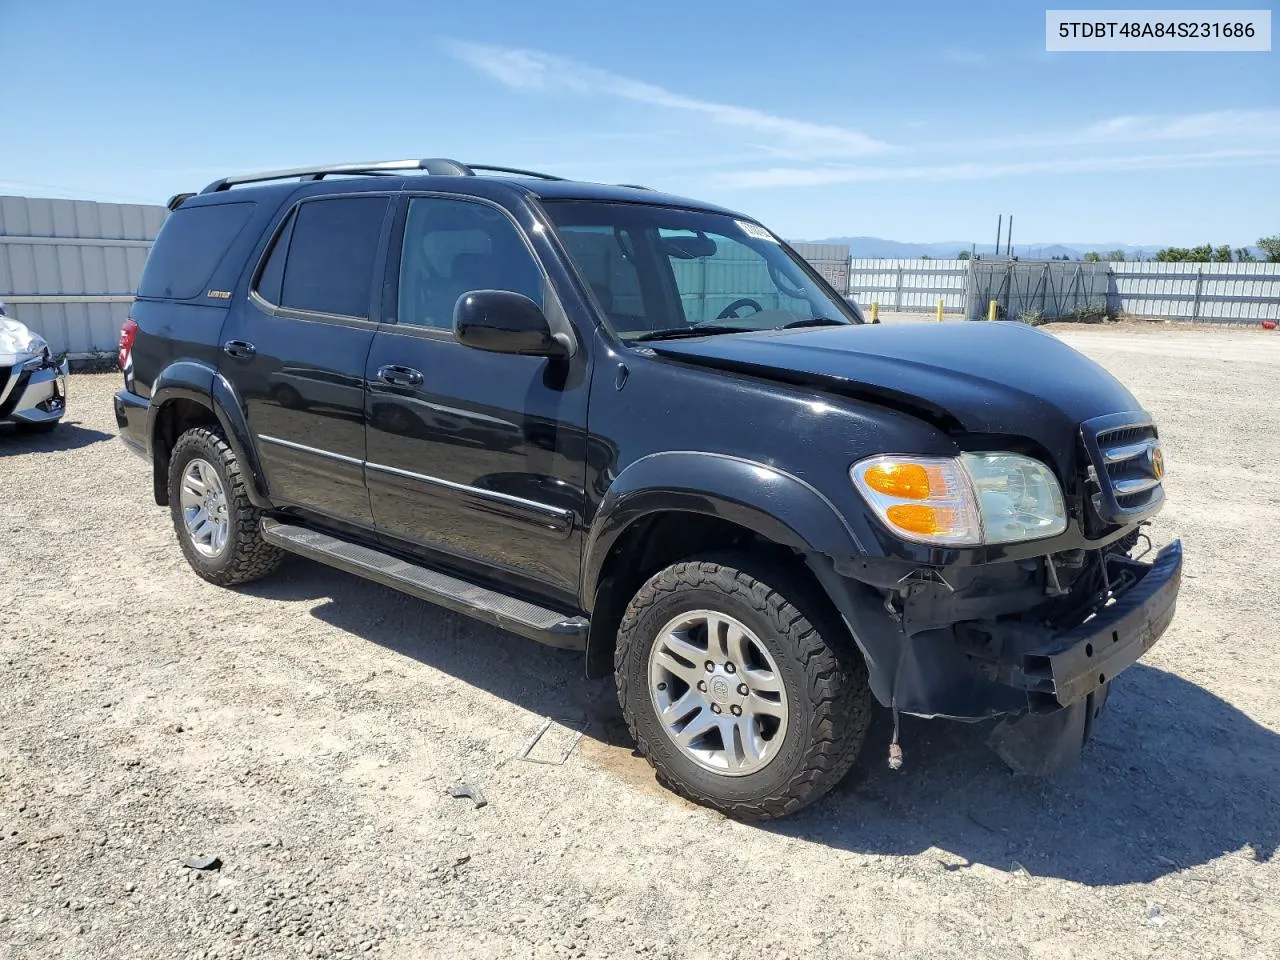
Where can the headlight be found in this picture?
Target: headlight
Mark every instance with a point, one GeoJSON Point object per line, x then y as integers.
{"type": "Point", "coordinates": [38, 345]}
{"type": "Point", "coordinates": [970, 500]}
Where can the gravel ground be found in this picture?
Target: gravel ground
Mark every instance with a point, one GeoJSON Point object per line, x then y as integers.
{"type": "Point", "coordinates": [305, 729]}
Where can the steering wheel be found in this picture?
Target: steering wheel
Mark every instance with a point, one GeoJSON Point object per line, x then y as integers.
{"type": "Point", "coordinates": [732, 309]}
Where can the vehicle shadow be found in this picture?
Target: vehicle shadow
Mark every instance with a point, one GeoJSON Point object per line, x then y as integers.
{"type": "Point", "coordinates": [66, 436]}
{"type": "Point", "coordinates": [1175, 776]}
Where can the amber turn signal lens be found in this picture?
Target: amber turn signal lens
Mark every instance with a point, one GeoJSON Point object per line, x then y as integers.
{"type": "Point", "coordinates": [925, 499]}
{"type": "Point", "coordinates": [910, 481]}
{"type": "Point", "coordinates": [915, 518]}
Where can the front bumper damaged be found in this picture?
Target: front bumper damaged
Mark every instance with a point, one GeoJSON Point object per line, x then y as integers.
{"type": "Point", "coordinates": [1075, 668]}
{"type": "Point", "coordinates": [976, 648]}
{"type": "Point", "coordinates": [1069, 664]}
{"type": "Point", "coordinates": [34, 391]}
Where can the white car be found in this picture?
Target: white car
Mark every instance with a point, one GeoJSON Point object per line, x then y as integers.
{"type": "Point", "coordinates": [33, 385]}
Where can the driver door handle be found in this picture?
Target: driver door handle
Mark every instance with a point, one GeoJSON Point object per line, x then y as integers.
{"type": "Point", "coordinates": [399, 376]}
{"type": "Point", "coordinates": [242, 349]}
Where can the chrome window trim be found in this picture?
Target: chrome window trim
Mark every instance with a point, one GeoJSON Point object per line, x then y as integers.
{"type": "Point", "coordinates": [308, 316]}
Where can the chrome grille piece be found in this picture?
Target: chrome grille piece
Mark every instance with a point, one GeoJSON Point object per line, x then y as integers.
{"type": "Point", "coordinates": [1128, 466]}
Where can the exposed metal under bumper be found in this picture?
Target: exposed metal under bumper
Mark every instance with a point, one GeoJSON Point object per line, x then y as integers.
{"type": "Point", "coordinates": [1071, 664]}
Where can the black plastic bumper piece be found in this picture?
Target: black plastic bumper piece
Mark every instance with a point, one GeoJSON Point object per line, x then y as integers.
{"type": "Point", "coordinates": [131, 413]}
{"type": "Point", "coordinates": [1071, 664]}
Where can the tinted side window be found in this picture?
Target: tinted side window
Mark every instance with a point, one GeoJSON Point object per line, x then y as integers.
{"type": "Point", "coordinates": [329, 263]}
{"type": "Point", "coordinates": [189, 247]}
{"type": "Point", "coordinates": [452, 247]}
{"type": "Point", "coordinates": [272, 276]}
{"type": "Point", "coordinates": [603, 255]}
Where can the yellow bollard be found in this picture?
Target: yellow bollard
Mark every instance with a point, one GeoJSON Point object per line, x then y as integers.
{"type": "Point", "coordinates": [991, 311]}
{"type": "Point", "coordinates": [875, 311]}
{"type": "Point", "coordinates": [939, 309]}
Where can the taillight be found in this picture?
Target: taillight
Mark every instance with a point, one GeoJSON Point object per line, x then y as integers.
{"type": "Point", "coordinates": [128, 330]}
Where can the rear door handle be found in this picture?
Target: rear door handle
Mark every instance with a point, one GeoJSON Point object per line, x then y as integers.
{"type": "Point", "coordinates": [400, 376]}
{"type": "Point", "coordinates": [239, 348]}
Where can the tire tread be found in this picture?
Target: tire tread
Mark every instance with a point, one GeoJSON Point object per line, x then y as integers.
{"type": "Point", "coordinates": [834, 671]}
{"type": "Point", "coordinates": [252, 558]}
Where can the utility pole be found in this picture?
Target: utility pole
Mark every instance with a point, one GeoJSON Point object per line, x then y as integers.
{"type": "Point", "coordinates": [999, 230]}
{"type": "Point", "coordinates": [1008, 250]}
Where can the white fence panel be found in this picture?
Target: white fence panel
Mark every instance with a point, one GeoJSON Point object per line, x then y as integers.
{"type": "Point", "coordinates": [1204, 292]}
{"type": "Point", "coordinates": [914, 285]}
{"type": "Point", "coordinates": [1212, 292]}
{"type": "Point", "coordinates": [69, 268]}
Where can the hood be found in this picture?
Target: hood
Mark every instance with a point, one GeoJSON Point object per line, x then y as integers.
{"type": "Point", "coordinates": [17, 342]}
{"type": "Point", "coordinates": [978, 377]}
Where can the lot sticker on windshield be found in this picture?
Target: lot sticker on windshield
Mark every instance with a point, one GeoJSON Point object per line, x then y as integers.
{"type": "Point", "coordinates": [755, 231]}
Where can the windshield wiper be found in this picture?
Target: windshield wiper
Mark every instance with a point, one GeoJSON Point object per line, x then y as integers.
{"type": "Point", "coordinates": [814, 322]}
{"type": "Point", "coordinates": [679, 333]}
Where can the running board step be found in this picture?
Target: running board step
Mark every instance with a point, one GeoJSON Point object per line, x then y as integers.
{"type": "Point", "coordinates": [510, 613]}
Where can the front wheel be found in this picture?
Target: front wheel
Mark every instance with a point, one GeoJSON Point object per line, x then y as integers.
{"type": "Point", "coordinates": [740, 688]}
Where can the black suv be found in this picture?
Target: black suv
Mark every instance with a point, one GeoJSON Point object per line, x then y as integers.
{"type": "Point", "coordinates": [642, 427]}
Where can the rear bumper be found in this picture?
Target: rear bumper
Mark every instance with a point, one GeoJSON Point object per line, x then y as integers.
{"type": "Point", "coordinates": [1063, 667]}
{"type": "Point", "coordinates": [132, 413]}
{"type": "Point", "coordinates": [35, 392]}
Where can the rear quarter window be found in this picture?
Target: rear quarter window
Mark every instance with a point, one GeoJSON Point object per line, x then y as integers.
{"type": "Point", "coordinates": [189, 248]}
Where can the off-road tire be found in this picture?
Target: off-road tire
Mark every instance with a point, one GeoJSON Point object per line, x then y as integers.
{"type": "Point", "coordinates": [824, 674]}
{"type": "Point", "coordinates": [247, 556]}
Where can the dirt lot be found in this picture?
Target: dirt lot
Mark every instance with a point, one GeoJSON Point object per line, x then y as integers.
{"type": "Point", "coordinates": [305, 729]}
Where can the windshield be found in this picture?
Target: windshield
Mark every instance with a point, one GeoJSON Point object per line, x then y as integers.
{"type": "Point", "coordinates": [662, 271]}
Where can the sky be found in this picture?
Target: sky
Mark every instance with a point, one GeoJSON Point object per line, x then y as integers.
{"type": "Point", "coordinates": [914, 121]}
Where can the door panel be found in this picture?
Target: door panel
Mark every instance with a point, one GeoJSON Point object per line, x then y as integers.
{"type": "Point", "coordinates": [483, 459]}
{"type": "Point", "coordinates": [303, 391]}
{"type": "Point", "coordinates": [294, 348]}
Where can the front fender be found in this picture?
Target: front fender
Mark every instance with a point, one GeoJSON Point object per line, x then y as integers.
{"type": "Point", "coordinates": [202, 384]}
{"type": "Point", "coordinates": [762, 498]}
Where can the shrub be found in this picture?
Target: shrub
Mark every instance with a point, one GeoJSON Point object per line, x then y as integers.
{"type": "Point", "coordinates": [1032, 318]}
{"type": "Point", "coordinates": [1095, 312]}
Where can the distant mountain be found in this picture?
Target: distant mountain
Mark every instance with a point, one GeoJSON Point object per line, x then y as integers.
{"type": "Point", "coordinates": [876, 247]}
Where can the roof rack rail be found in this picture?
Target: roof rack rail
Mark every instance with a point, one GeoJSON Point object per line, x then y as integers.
{"type": "Point", "coordinates": [438, 166]}
{"type": "Point", "coordinates": [635, 186]}
{"type": "Point", "coordinates": [515, 170]}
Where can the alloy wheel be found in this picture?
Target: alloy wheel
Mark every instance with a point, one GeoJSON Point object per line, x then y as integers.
{"type": "Point", "coordinates": [204, 508]}
{"type": "Point", "coordinates": [718, 693]}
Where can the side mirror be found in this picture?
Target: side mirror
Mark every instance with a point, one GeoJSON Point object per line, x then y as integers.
{"type": "Point", "coordinates": [504, 322]}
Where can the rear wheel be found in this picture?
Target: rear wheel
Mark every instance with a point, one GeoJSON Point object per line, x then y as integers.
{"type": "Point", "coordinates": [217, 525]}
{"type": "Point", "coordinates": [739, 687]}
